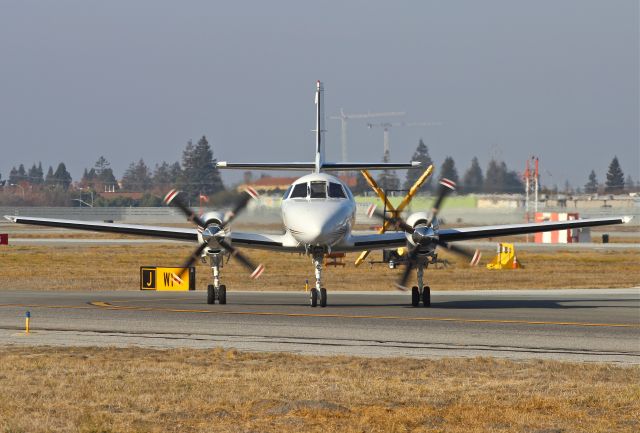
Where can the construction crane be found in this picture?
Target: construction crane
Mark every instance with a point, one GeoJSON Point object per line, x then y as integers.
{"type": "Point", "coordinates": [387, 125]}
{"type": "Point", "coordinates": [344, 118]}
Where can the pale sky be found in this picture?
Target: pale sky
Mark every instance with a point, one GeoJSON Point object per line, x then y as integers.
{"type": "Point", "coordinates": [131, 79]}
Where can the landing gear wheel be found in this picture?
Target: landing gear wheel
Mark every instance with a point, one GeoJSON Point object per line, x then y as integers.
{"type": "Point", "coordinates": [415, 296]}
{"type": "Point", "coordinates": [314, 297]}
{"type": "Point", "coordinates": [426, 296]}
{"type": "Point", "coordinates": [211, 294]}
{"type": "Point", "coordinates": [222, 294]}
{"type": "Point", "coordinates": [323, 297]}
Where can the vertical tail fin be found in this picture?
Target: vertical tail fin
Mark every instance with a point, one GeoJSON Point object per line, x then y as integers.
{"type": "Point", "coordinates": [319, 126]}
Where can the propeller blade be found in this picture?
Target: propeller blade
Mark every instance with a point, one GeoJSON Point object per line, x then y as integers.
{"type": "Point", "coordinates": [473, 257]}
{"type": "Point", "coordinates": [192, 258]}
{"type": "Point", "coordinates": [446, 186]}
{"type": "Point", "coordinates": [396, 222]}
{"type": "Point", "coordinates": [411, 260]}
{"type": "Point", "coordinates": [250, 193]}
{"type": "Point", "coordinates": [173, 199]}
{"type": "Point", "coordinates": [256, 271]}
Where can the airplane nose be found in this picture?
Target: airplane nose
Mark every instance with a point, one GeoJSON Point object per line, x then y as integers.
{"type": "Point", "coordinates": [315, 229]}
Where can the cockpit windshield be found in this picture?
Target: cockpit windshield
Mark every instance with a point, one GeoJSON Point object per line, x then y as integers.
{"type": "Point", "coordinates": [299, 191]}
{"type": "Point", "coordinates": [318, 189]}
{"type": "Point", "coordinates": [336, 191]}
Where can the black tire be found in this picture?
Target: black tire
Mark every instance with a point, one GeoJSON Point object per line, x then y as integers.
{"type": "Point", "coordinates": [415, 296]}
{"type": "Point", "coordinates": [426, 296]}
{"type": "Point", "coordinates": [323, 297]}
{"type": "Point", "coordinates": [314, 297]}
{"type": "Point", "coordinates": [211, 294]}
{"type": "Point", "coordinates": [222, 294]}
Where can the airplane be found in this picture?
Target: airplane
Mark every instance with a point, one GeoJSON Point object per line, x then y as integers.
{"type": "Point", "coordinates": [318, 212]}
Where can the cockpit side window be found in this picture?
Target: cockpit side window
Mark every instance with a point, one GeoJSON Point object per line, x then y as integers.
{"type": "Point", "coordinates": [336, 191]}
{"type": "Point", "coordinates": [286, 193]}
{"type": "Point", "coordinates": [299, 191]}
{"type": "Point", "coordinates": [318, 189]}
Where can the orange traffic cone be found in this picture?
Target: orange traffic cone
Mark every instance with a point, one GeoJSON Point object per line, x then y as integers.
{"type": "Point", "coordinates": [515, 262]}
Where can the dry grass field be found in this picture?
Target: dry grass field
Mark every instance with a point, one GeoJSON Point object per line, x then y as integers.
{"type": "Point", "coordinates": [140, 390]}
{"type": "Point", "coordinates": [116, 267]}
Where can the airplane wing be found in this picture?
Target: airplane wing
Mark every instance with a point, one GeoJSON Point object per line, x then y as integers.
{"type": "Point", "coordinates": [398, 239]}
{"type": "Point", "coordinates": [468, 233]}
{"type": "Point", "coordinates": [242, 239]}
{"type": "Point", "coordinates": [372, 241]}
{"type": "Point", "coordinates": [174, 233]}
{"type": "Point", "coordinates": [263, 241]}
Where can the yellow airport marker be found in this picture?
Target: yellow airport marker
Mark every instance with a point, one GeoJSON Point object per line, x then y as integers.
{"type": "Point", "coordinates": [306, 285]}
{"type": "Point", "coordinates": [394, 211]}
{"type": "Point", "coordinates": [26, 322]}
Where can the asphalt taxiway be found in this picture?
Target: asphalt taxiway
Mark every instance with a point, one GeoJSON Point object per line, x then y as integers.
{"type": "Point", "coordinates": [582, 325]}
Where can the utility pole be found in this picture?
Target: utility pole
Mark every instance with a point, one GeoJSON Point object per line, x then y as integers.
{"type": "Point", "coordinates": [344, 118]}
{"type": "Point", "coordinates": [531, 181]}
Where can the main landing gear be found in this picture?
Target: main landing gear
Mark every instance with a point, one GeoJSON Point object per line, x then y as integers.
{"type": "Point", "coordinates": [421, 292]}
{"type": "Point", "coordinates": [318, 294]}
{"type": "Point", "coordinates": [216, 291]}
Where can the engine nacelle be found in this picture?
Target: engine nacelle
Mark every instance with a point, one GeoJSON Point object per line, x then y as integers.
{"type": "Point", "coordinates": [419, 220]}
{"type": "Point", "coordinates": [210, 218]}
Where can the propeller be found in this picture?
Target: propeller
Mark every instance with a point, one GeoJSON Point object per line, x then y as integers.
{"type": "Point", "coordinates": [214, 234]}
{"type": "Point", "coordinates": [425, 234]}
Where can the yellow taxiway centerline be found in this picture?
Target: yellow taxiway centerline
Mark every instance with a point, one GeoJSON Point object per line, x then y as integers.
{"type": "Point", "coordinates": [356, 316]}
{"type": "Point", "coordinates": [109, 306]}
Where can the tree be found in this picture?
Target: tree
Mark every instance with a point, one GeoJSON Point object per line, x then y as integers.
{"type": "Point", "coordinates": [615, 177]}
{"type": "Point", "coordinates": [13, 176]}
{"type": "Point", "coordinates": [200, 174]}
{"type": "Point", "coordinates": [89, 178]}
{"type": "Point", "coordinates": [22, 174]}
{"type": "Point", "coordinates": [137, 177]}
{"type": "Point", "coordinates": [448, 170]}
{"type": "Point", "coordinates": [628, 183]}
{"type": "Point", "coordinates": [62, 176]}
{"type": "Point", "coordinates": [166, 176]}
{"type": "Point", "coordinates": [104, 178]}
{"type": "Point", "coordinates": [35, 175]}
{"type": "Point", "coordinates": [101, 165]}
{"type": "Point", "coordinates": [40, 173]}
{"type": "Point", "coordinates": [421, 154]}
{"type": "Point", "coordinates": [499, 179]}
{"type": "Point", "coordinates": [473, 179]}
{"type": "Point", "coordinates": [591, 187]}
{"type": "Point", "coordinates": [512, 180]}
{"type": "Point", "coordinates": [50, 179]}
{"type": "Point", "coordinates": [494, 178]}
{"type": "Point", "coordinates": [176, 173]}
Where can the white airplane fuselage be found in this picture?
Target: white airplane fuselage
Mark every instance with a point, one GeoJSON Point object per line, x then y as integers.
{"type": "Point", "coordinates": [318, 210]}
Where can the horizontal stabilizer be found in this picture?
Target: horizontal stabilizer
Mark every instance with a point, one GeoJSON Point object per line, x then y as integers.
{"type": "Point", "coordinates": [342, 166]}
{"type": "Point", "coordinates": [296, 166]}
{"type": "Point", "coordinates": [326, 166]}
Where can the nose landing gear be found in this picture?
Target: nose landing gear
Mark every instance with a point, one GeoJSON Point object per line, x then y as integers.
{"type": "Point", "coordinates": [318, 293]}
{"type": "Point", "coordinates": [216, 291]}
{"type": "Point", "coordinates": [421, 292]}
